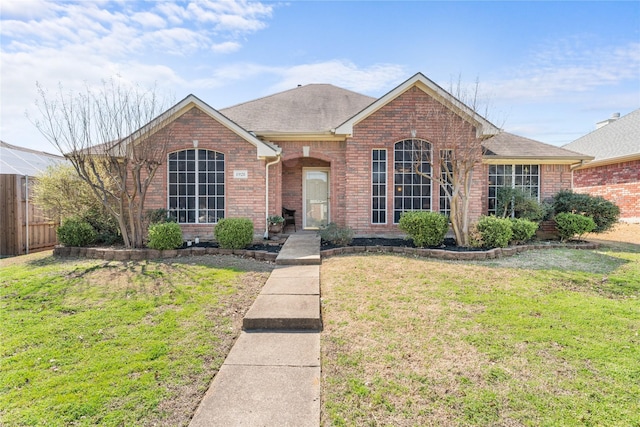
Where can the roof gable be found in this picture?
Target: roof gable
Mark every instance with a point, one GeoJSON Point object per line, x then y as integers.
{"type": "Point", "coordinates": [619, 139]}
{"type": "Point", "coordinates": [191, 101]}
{"type": "Point", "coordinates": [483, 126]}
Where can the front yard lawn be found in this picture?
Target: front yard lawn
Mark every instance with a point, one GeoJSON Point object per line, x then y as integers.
{"type": "Point", "coordinates": [544, 338]}
{"type": "Point", "coordinates": [94, 342]}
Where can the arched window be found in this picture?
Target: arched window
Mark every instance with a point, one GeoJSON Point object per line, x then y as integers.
{"type": "Point", "coordinates": [412, 189]}
{"type": "Point", "coordinates": [196, 186]}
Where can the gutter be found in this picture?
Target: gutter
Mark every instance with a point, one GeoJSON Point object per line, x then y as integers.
{"type": "Point", "coordinates": [266, 204]}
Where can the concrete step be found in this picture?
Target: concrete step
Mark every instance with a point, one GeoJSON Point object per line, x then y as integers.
{"type": "Point", "coordinates": [284, 312]}
{"type": "Point", "coordinates": [300, 249]}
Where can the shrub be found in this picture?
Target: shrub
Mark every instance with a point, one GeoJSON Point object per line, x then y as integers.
{"type": "Point", "coordinates": [234, 233]}
{"type": "Point", "coordinates": [603, 212]}
{"type": "Point", "coordinates": [335, 234]}
{"type": "Point", "coordinates": [105, 225]}
{"type": "Point", "coordinates": [75, 231]}
{"type": "Point", "coordinates": [517, 202]}
{"type": "Point", "coordinates": [495, 232]}
{"type": "Point", "coordinates": [424, 228]}
{"type": "Point", "coordinates": [523, 230]}
{"type": "Point", "coordinates": [570, 225]}
{"type": "Point", "coordinates": [165, 235]}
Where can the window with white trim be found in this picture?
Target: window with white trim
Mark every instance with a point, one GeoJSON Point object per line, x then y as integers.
{"type": "Point", "coordinates": [379, 187]}
{"type": "Point", "coordinates": [196, 186]}
{"type": "Point", "coordinates": [412, 188]}
{"type": "Point", "coordinates": [524, 177]}
{"type": "Point", "coordinates": [446, 169]}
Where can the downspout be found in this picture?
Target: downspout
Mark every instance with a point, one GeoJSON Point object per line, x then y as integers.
{"type": "Point", "coordinates": [266, 204]}
{"type": "Point", "coordinates": [26, 215]}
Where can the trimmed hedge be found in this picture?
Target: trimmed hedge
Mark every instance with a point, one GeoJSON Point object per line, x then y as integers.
{"type": "Point", "coordinates": [75, 231]}
{"type": "Point", "coordinates": [234, 233]}
{"type": "Point", "coordinates": [494, 232]}
{"type": "Point", "coordinates": [424, 228]}
{"type": "Point", "coordinates": [523, 230]}
{"type": "Point", "coordinates": [165, 235]}
{"type": "Point", "coordinates": [570, 225]}
{"type": "Point", "coordinates": [603, 212]}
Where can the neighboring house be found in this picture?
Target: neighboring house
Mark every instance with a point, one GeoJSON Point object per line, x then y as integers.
{"type": "Point", "coordinates": [614, 173]}
{"type": "Point", "coordinates": [333, 155]}
{"type": "Point", "coordinates": [23, 227]}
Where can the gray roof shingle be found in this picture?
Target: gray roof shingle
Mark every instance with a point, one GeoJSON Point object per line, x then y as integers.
{"type": "Point", "coordinates": [507, 145]}
{"type": "Point", "coordinates": [313, 108]}
{"type": "Point", "coordinates": [617, 139]}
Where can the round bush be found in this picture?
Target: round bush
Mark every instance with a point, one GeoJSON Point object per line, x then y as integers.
{"type": "Point", "coordinates": [424, 228]}
{"type": "Point", "coordinates": [603, 212]}
{"type": "Point", "coordinates": [165, 235]}
{"type": "Point", "coordinates": [335, 234]}
{"type": "Point", "coordinates": [523, 230]}
{"type": "Point", "coordinates": [234, 233]}
{"type": "Point", "coordinates": [495, 232]}
{"type": "Point", "coordinates": [570, 225]}
{"type": "Point", "coordinates": [76, 232]}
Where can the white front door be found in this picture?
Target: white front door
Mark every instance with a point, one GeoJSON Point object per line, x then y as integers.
{"type": "Point", "coordinates": [315, 192]}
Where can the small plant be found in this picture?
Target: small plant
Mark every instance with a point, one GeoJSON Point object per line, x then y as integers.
{"type": "Point", "coordinates": [424, 228]}
{"type": "Point", "coordinates": [335, 234]}
{"type": "Point", "coordinates": [570, 225]}
{"type": "Point", "coordinates": [516, 202]}
{"type": "Point", "coordinates": [234, 233]}
{"type": "Point", "coordinates": [523, 230]}
{"type": "Point", "coordinates": [75, 231]}
{"type": "Point", "coordinates": [495, 232]}
{"type": "Point", "coordinates": [603, 212]}
{"type": "Point", "coordinates": [165, 235]}
{"type": "Point", "coordinates": [275, 219]}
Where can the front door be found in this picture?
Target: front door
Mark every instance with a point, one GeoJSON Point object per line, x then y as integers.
{"type": "Point", "coordinates": [315, 192]}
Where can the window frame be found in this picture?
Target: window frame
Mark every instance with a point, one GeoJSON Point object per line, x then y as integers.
{"type": "Point", "coordinates": [513, 181]}
{"type": "Point", "coordinates": [381, 186]}
{"type": "Point", "coordinates": [401, 176]}
{"type": "Point", "coordinates": [213, 190]}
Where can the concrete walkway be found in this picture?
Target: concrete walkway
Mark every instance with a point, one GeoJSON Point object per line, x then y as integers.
{"type": "Point", "coordinates": [271, 377]}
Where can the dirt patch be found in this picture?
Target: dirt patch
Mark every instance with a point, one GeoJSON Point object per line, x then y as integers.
{"type": "Point", "coordinates": [622, 232]}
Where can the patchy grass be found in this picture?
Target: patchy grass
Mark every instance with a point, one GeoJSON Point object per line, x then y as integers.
{"type": "Point", "coordinates": [94, 342]}
{"type": "Point", "coordinates": [546, 338]}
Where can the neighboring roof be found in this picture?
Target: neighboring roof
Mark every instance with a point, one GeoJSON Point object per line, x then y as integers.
{"type": "Point", "coordinates": [483, 126]}
{"type": "Point", "coordinates": [24, 161]}
{"type": "Point", "coordinates": [309, 109]}
{"type": "Point", "coordinates": [618, 140]}
{"type": "Point", "coordinates": [509, 146]}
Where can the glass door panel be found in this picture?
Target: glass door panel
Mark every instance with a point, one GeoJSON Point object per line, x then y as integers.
{"type": "Point", "coordinates": [316, 197]}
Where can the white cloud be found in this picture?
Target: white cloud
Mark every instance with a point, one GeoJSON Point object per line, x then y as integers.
{"type": "Point", "coordinates": [149, 20]}
{"type": "Point", "coordinates": [567, 68]}
{"type": "Point", "coordinates": [226, 47]}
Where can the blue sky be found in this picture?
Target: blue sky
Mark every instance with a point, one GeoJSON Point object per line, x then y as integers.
{"type": "Point", "coordinates": [548, 70]}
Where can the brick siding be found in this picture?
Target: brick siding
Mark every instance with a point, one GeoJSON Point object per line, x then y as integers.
{"type": "Point", "coordinates": [618, 183]}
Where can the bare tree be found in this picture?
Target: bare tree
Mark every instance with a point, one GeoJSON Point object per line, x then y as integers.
{"type": "Point", "coordinates": [459, 152]}
{"type": "Point", "coordinates": [116, 138]}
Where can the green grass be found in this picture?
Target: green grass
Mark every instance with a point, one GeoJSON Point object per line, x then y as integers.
{"type": "Point", "coordinates": [545, 338]}
{"type": "Point", "coordinates": [92, 342]}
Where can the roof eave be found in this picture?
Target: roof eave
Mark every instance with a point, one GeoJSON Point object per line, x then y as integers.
{"type": "Point", "coordinates": [610, 161]}
{"type": "Point", "coordinates": [542, 160]}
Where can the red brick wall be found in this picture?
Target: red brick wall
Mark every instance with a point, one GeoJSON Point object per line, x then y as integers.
{"type": "Point", "coordinates": [392, 123]}
{"type": "Point", "coordinates": [618, 182]}
{"type": "Point", "coordinates": [243, 197]}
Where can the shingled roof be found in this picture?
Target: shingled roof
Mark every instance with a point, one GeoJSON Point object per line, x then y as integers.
{"type": "Point", "coordinates": [506, 145]}
{"type": "Point", "coordinates": [313, 108]}
{"type": "Point", "coordinates": [617, 140]}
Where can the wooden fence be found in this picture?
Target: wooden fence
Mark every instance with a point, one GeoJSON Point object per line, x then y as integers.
{"type": "Point", "coordinates": [23, 227]}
